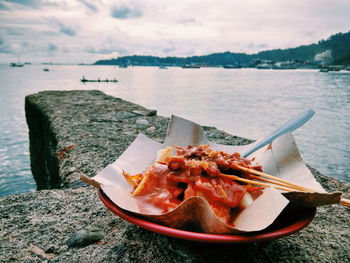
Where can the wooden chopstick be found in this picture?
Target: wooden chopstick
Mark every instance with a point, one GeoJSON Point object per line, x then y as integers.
{"type": "Point", "coordinates": [288, 183]}
{"type": "Point", "coordinates": [268, 181]}
{"type": "Point", "coordinates": [236, 178]}
{"type": "Point", "coordinates": [285, 183]}
{"type": "Point", "coordinates": [345, 202]}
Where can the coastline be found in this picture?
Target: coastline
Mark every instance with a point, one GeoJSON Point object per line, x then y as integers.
{"type": "Point", "coordinates": [82, 132]}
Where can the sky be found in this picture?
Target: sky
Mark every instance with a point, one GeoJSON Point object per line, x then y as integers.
{"type": "Point", "coordinates": [84, 31]}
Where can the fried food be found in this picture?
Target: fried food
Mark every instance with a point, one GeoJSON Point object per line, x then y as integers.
{"type": "Point", "coordinates": [195, 171]}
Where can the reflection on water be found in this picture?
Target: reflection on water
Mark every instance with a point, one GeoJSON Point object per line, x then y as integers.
{"type": "Point", "coordinates": [245, 102]}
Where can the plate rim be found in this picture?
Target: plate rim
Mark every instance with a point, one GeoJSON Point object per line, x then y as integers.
{"type": "Point", "coordinates": [258, 236]}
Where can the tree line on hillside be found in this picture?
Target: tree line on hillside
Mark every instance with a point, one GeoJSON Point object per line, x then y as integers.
{"type": "Point", "coordinates": [337, 46]}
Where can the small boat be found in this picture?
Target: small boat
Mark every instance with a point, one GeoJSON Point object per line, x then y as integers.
{"type": "Point", "coordinates": [18, 65]}
{"type": "Point", "coordinates": [264, 66]}
{"type": "Point", "coordinates": [98, 80]}
{"type": "Point", "coordinates": [190, 66]}
{"type": "Point", "coordinates": [46, 69]}
{"type": "Point", "coordinates": [335, 68]}
{"type": "Point", "coordinates": [232, 66]}
{"type": "Point", "coordinates": [284, 66]}
{"type": "Point", "coordinates": [324, 70]}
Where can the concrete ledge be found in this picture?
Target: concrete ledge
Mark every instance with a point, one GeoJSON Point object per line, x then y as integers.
{"type": "Point", "coordinates": [83, 131]}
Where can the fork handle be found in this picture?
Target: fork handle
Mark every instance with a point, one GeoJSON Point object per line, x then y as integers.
{"type": "Point", "coordinates": [289, 126]}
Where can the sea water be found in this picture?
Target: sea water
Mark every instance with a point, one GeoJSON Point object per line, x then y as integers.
{"type": "Point", "coordinates": [246, 102]}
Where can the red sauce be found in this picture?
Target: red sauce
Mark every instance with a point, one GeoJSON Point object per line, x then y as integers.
{"type": "Point", "coordinates": [194, 171]}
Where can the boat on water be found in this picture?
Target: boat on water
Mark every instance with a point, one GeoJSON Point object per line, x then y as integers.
{"type": "Point", "coordinates": [324, 70]}
{"type": "Point", "coordinates": [231, 66]}
{"type": "Point", "coordinates": [18, 65]}
{"type": "Point", "coordinates": [98, 80]}
{"type": "Point", "coordinates": [328, 68]}
{"type": "Point", "coordinates": [190, 66]}
{"type": "Point", "coordinates": [264, 66]}
{"type": "Point", "coordinates": [46, 69]}
{"type": "Point", "coordinates": [284, 67]}
{"type": "Point", "coordinates": [281, 67]}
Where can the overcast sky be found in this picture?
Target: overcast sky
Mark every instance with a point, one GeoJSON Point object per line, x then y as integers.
{"type": "Point", "coordinates": [75, 31]}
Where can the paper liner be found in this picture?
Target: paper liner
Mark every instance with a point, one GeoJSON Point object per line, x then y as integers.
{"type": "Point", "coordinates": [196, 211]}
{"type": "Point", "coordinates": [280, 159]}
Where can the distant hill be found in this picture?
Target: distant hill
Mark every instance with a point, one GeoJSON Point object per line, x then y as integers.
{"type": "Point", "coordinates": [338, 44]}
{"type": "Point", "coordinates": [335, 50]}
{"type": "Point", "coordinates": [216, 59]}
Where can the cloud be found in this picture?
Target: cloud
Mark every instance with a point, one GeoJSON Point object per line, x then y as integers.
{"type": "Point", "coordinates": [257, 46]}
{"type": "Point", "coordinates": [63, 28]}
{"type": "Point", "coordinates": [52, 47]}
{"type": "Point", "coordinates": [89, 5]}
{"type": "Point", "coordinates": [27, 3]}
{"type": "Point", "coordinates": [262, 46]}
{"type": "Point", "coordinates": [308, 33]}
{"type": "Point", "coordinates": [109, 45]}
{"type": "Point", "coordinates": [15, 31]}
{"type": "Point", "coordinates": [190, 52]}
{"type": "Point", "coordinates": [106, 50]}
{"type": "Point", "coordinates": [7, 47]}
{"type": "Point", "coordinates": [4, 47]}
{"type": "Point", "coordinates": [125, 12]}
{"type": "Point", "coordinates": [34, 4]}
{"type": "Point", "coordinates": [4, 7]}
{"type": "Point", "coordinates": [169, 49]}
{"type": "Point", "coordinates": [65, 50]}
{"type": "Point", "coordinates": [189, 21]}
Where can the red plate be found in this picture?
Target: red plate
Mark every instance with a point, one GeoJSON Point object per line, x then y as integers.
{"type": "Point", "coordinates": [288, 222]}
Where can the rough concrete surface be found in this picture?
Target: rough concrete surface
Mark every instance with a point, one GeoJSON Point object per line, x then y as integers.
{"type": "Point", "coordinates": [77, 132]}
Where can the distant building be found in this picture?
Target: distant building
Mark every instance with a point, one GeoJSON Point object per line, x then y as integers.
{"type": "Point", "coordinates": [324, 58]}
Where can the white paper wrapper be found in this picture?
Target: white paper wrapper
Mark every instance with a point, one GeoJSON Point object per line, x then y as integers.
{"type": "Point", "coordinates": [281, 159]}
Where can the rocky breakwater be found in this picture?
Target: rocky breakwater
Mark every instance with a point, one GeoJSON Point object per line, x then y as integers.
{"type": "Point", "coordinates": [73, 132]}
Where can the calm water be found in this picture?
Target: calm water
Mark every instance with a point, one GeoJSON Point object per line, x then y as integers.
{"type": "Point", "coordinates": [244, 102]}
